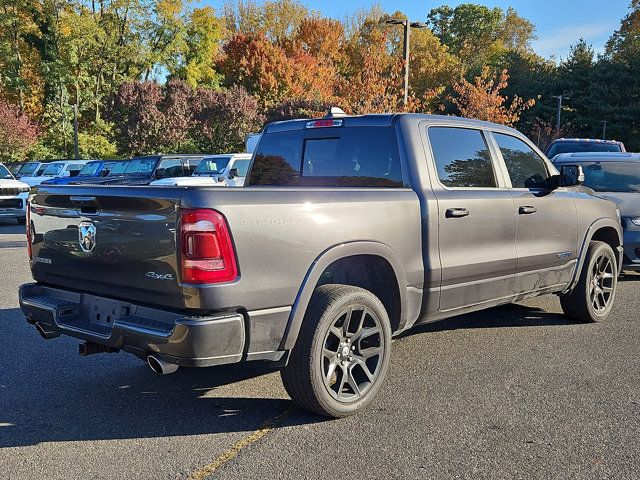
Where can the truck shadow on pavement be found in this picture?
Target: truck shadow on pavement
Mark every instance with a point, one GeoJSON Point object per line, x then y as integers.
{"type": "Point", "coordinates": [49, 394]}
{"type": "Point", "coordinates": [511, 315]}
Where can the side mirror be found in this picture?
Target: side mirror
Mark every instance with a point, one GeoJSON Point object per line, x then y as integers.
{"type": "Point", "coordinates": [233, 173]}
{"type": "Point", "coordinates": [571, 175]}
{"type": "Point", "coordinates": [66, 173]}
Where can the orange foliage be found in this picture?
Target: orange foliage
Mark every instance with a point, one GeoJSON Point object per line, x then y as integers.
{"type": "Point", "coordinates": [482, 99]}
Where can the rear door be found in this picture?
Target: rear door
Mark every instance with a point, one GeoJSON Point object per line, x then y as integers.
{"type": "Point", "coordinates": [476, 219]}
{"type": "Point", "coordinates": [546, 225]}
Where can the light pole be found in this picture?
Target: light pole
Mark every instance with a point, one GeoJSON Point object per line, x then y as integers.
{"type": "Point", "coordinates": [407, 34]}
{"type": "Point", "coordinates": [604, 129]}
{"type": "Point", "coordinates": [75, 131]}
{"type": "Point", "coordinates": [559, 112]}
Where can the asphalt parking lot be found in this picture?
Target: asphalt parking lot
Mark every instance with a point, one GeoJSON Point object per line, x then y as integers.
{"type": "Point", "coordinates": [513, 392]}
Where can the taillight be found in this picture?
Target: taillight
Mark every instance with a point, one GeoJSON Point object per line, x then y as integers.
{"type": "Point", "coordinates": [28, 224]}
{"type": "Point", "coordinates": [207, 253]}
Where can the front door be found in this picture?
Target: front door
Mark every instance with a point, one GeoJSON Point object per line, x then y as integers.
{"type": "Point", "coordinates": [476, 220]}
{"type": "Point", "coordinates": [546, 222]}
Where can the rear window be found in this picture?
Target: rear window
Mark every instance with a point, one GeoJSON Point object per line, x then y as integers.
{"type": "Point", "coordinates": [326, 157]}
{"type": "Point", "coordinates": [462, 157]}
{"type": "Point", "coordinates": [579, 147]}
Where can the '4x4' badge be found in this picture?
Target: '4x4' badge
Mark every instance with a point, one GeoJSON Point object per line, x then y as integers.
{"type": "Point", "coordinates": [87, 236]}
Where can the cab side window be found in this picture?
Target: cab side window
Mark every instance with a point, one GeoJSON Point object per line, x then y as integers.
{"type": "Point", "coordinates": [462, 157]}
{"type": "Point", "coordinates": [526, 168]}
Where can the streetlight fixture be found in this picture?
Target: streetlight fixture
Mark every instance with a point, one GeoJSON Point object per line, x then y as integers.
{"type": "Point", "coordinates": [408, 25]}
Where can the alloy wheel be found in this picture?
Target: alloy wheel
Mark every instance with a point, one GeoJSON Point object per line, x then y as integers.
{"type": "Point", "coordinates": [601, 283]}
{"type": "Point", "coordinates": [352, 354]}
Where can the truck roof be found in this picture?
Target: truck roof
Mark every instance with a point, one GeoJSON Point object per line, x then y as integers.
{"type": "Point", "coordinates": [386, 120]}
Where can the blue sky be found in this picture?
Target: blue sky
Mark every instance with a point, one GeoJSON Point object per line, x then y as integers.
{"type": "Point", "coordinates": [559, 23]}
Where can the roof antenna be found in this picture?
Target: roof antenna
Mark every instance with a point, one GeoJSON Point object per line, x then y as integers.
{"type": "Point", "coordinates": [335, 112]}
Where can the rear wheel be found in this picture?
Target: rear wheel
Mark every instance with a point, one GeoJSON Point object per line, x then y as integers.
{"type": "Point", "coordinates": [342, 352]}
{"type": "Point", "coordinates": [592, 298]}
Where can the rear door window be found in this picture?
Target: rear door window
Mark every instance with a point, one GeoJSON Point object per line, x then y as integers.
{"type": "Point", "coordinates": [462, 157]}
{"type": "Point", "coordinates": [340, 156]}
{"type": "Point", "coordinates": [526, 168]}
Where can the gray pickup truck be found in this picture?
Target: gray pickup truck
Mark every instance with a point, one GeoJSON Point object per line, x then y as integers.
{"type": "Point", "coordinates": [351, 230]}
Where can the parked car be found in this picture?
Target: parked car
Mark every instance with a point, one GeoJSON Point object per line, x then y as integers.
{"type": "Point", "coordinates": [228, 170]}
{"type": "Point", "coordinates": [14, 167]}
{"type": "Point", "coordinates": [13, 196]}
{"type": "Point", "coordinates": [351, 229]}
{"type": "Point", "coordinates": [56, 169]}
{"type": "Point", "coordinates": [29, 169]}
{"type": "Point", "coordinates": [91, 169]}
{"type": "Point", "coordinates": [616, 177]}
{"type": "Point", "coordinates": [144, 170]}
{"type": "Point", "coordinates": [582, 145]}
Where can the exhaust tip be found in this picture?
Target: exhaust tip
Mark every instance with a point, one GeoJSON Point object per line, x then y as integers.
{"type": "Point", "coordinates": [45, 332]}
{"type": "Point", "coordinates": [160, 366]}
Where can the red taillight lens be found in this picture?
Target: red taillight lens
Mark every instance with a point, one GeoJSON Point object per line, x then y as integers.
{"type": "Point", "coordinates": [28, 224]}
{"type": "Point", "coordinates": [206, 248]}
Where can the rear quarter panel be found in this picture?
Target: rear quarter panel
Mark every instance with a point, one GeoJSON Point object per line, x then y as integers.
{"type": "Point", "coordinates": [279, 232]}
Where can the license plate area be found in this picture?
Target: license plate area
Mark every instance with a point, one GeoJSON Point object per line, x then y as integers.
{"type": "Point", "coordinates": [105, 312]}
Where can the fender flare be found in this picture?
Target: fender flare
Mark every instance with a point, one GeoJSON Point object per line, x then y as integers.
{"type": "Point", "coordinates": [595, 226]}
{"type": "Point", "coordinates": [319, 265]}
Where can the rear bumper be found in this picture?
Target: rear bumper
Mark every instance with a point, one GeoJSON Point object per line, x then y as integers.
{"type": "Point", "coordinates": [188, 341]}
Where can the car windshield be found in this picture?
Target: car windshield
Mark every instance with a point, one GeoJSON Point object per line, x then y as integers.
{"type": "Point", "coordinates": [579, 147]}
{"type": "Point", "coordinates": [118, 168]}
{"type": "Point", "coordinates": [28, 169]}
{"type": "Point", "coordinates": [53, 169]}
{"type": "Point", "coordinates": [141, 166]}
{"type": "Point", "coordinates": [212, 166]}
{"type": "Point", "coordinates": [612, 176]}
{"type": "Point", "coordinates": [5, 174]}
{"type": "Point", "coordinates": [90, 169]}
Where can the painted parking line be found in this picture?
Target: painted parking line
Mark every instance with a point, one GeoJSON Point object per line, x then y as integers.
{"type": "Point", "coordinates": [233, 452]}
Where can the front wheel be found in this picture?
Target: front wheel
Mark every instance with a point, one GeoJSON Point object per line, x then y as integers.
{"type": "Point", "coordinates": [592, 298]}
{"type": "Point", "coordinates": [342, 352]}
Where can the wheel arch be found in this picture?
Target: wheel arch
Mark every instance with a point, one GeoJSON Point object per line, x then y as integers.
{"type": "Point", "coordinates": [355, 252]}
{"type": "Point", "coordinates": [604, 230]}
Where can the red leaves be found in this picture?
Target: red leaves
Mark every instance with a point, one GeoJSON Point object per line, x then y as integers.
{"type": "Point", "coordinates": [17, 132]}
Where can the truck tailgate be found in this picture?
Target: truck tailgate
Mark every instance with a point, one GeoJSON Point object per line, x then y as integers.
{"type": "Point", "coordinates": [118, 242]}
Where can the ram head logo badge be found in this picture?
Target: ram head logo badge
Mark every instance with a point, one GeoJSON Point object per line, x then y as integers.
{"type": "Point", "coordinates": [87, 236]}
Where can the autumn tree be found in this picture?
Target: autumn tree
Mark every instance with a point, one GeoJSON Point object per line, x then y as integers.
{"type": "Point", "coordinates": [222, 120]}
{"type": "Point", "coordinates": [259, 66]}
{"type": "Point", "coordinates": [140, 122]}
{"type": "Point", "coordinates": [483, 100]}
{"type": "Point", "coordinates": [17, 132]}
{"type": "Point", "coordinates": [277, 20]}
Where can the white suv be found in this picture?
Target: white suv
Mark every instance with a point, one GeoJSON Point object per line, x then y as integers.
{"type": "Point", "coordinates": [13, 196]}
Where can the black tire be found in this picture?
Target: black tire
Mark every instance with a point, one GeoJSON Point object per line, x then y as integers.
{"type": "Point", "coordinates": [22, 220]}
{"type": "Point", "coordinates": [319, 380]}
{"type": "Point", "coordinates": [592, 298]}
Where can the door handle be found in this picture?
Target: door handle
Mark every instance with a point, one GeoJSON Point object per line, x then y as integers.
{"type": "Point", "coordinates": [456, 212]}
{"type": "Point", "coordinates": [527, 210]}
